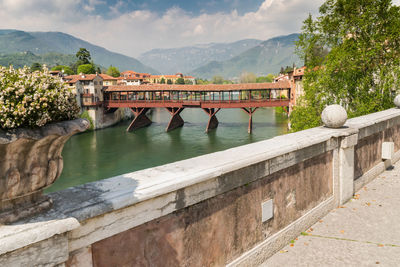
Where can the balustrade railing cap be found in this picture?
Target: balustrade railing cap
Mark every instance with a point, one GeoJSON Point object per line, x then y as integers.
{"type": "Point", "coordinates": [397, 101]}
{"type": "Point", "coordinates": [334, 116]}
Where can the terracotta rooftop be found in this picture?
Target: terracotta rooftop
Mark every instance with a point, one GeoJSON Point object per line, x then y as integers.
{"type": "Point", "coordinates": [208, 87]}
{"type": "Point", "coordinates": [107, 77]}
{"type": "Point", "coordinates": [83, 77]}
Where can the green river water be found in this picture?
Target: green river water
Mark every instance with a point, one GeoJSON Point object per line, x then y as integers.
{"type": "Point", "coordinates": [105, 153]}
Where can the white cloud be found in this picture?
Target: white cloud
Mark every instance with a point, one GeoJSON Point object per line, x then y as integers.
{"type": "Point", "coordinates": [138, 31]}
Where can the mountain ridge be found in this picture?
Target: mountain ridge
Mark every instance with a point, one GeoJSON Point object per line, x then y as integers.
{"type": "Point", "coordinates": [40, 43]}
{"type": "Point", "coordinates": [267, 57]}
{"type": "Point", "coordinates": [185, 59]}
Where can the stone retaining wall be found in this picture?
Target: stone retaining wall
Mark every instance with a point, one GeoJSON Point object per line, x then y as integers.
{"type": "Point", "coordinates": [208, 210]}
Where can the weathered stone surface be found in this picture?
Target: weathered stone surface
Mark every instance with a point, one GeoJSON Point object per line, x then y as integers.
{"type": "Point", "coordinates": [13, 237]}
{"type": "Point", "coordinates": [31, 159]}
{"type": "Point", "coordinates": [215, 231]}
{"type": "Point", "coordinates": [80, 258]}
{"type": "Point", "coordinates": [368, 153]}
{"type": "Point", "coordinates": [50, 252]}
{"type": "Point", "coordinates": [334, 116]}
{"type": "Point", "coordinates": [363, 232]}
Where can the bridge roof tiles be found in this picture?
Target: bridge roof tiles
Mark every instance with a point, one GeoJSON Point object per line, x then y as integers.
{"type": "Point", "coordinates": [207, 87]}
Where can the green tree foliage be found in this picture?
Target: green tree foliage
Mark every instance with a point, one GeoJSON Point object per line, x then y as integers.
{"type": "Point", "coordinates": [85, 115]}
{"type": "Point", "coordinates": [67, 70]}
{"type": "Point", "coordinates": [86, 69]}
{"type": "Point", "coordinates": [113, 71]}
{"type": "Point", "coordinates": [248, 77]}
{"type": "Point", "coordinates": [162, 81]}
{"type": "Point", "coordinates": [190, 82]}
{"type": "Point", "coordinates": [169, 81]}
{"type": "Point", "coordinates": [265, 79]}
{"type": "Point", "coordinates": [217, 79]}
{"type": "Point", "coordinates": [353, 59]}
{"type": "Point", "coordinates": [36, 66]}
{"type": "Point", "coordinates": [201, 81]}
{"type": "Point", "coordinates": [180, 81]}
{"type": "Point", "coordinates": [287, 69]}
{"type": "Point", "coordinates": [83, 56]}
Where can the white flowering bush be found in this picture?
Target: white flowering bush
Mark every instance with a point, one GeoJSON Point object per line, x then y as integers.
{"type": "Point", "coordinates": [33, 99]}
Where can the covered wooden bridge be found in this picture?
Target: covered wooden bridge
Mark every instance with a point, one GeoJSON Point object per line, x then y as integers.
{"type": "Point", "coordinates": [211, 98]}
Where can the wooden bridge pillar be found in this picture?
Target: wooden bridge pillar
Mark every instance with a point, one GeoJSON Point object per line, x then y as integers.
{"type": "Point", "coordinates": [250, 111]}
{"type": "Point", "coordinates": [176, 120]}
{"type": "Point", "coordinates": [212, 121]}
{"type": "Point", "coordinates": [140, 120]}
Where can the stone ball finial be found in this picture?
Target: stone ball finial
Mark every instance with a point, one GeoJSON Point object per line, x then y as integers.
{"type": "Point", "coordinates": [397, 101]}
{"type": "Point", "coordinates": [334, 116]}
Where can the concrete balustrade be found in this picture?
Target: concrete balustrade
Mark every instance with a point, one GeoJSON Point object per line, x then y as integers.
{"type": "Point", "coordinates": [235, 207]}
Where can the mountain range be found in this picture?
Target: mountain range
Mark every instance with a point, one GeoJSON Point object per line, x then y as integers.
{"type": "Point", "coordinates": [186, 59]}
{"type": "Point", "coordinates": [40, 46]}
{"type": "Point", "coordinates": [229, 60]}
{"type": "Point", "coordinates": [266, 57]}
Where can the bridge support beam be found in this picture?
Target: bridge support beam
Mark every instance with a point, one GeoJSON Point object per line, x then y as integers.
{"type": "Point", "coordinates": [140, 120]}
{"type": "Point", "coordinates": [176, 120]}
{"type": "Point", "coordinates": [250, 111]}
{"type": "Point", "coordinates": [212, 121]}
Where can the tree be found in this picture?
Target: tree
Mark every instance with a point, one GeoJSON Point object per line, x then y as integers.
{"type": "Point", "coordinates": [352, 57]}
{"type": "Point", "coordinates": [83, 56]}
{"type": "Point", "coordinates": [217, 79]}
{"type": "Point", "coordinates": [162, 81]}
{"type": "Point", "coordinates": [180, 80]}
{"type": "Point", "coordinates": [201, 81]}
{"type": "Point", "coordinates": [265, 79]}
{"type": "Point", "coordinates": [169, 81]}
{"type": "Point", "coordinates": [113, 71]}
{"type": "Point", "coordinates": [287, 69]}
{"type": "Point", "coordinates": [36, 66]}
{"type": "Point", "coordinates": [67, 70]}
{"type": "Point", "coordinates": [187, 81]}
{"type": "Point", "coordinates": [248, 77]}
{"type": "Point", "coordinates": [86, 69]}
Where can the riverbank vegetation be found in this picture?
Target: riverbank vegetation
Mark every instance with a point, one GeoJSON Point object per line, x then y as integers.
{"type": "Point", "coordinates": [351, 52]}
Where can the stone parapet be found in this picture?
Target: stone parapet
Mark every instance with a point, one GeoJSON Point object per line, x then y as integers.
{"type": "Point", "coordinates": [208, 210]}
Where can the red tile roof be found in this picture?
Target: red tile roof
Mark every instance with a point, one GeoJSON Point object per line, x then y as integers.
{"type": "Point", "coordinates": [107, 77]}
{"type": "Point", "coordinates": [208, 87]}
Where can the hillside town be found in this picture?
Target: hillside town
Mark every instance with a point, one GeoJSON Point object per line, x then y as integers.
{"type": "Point", "coordinates": [89, 90]}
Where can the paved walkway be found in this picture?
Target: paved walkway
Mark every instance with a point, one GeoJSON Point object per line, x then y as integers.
{"type": "Point", "coordinates": [363, 232]}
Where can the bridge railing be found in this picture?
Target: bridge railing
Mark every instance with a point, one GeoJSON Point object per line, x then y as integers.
{"type": "Point", "coordinates": [197, 101]}
{"type": "Point", "coordinates": [235, 207]}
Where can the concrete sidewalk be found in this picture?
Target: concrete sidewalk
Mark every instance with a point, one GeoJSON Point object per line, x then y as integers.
{"type": "Point", "coordinates": [363, 232]}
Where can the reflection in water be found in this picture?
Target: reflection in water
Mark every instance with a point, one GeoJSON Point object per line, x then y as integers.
{"type": "Point", "coordinates": [109, 152]}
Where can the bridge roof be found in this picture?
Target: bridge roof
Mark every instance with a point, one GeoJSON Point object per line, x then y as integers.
{"type": "Point", "coordinates": [207, 87]}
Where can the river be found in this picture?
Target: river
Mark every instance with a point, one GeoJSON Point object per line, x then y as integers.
{"type": "Point", "coordinates": [112, 151]}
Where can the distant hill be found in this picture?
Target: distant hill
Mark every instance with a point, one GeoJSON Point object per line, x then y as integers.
{"type": "Point", "coordinates": [267, 57]}
{"type": "Point", "coordinates": [186, 59]}
{"type": "Point", "coordinates": [52, 43]}
{"type": "Point", "coordinates": [18, 60]}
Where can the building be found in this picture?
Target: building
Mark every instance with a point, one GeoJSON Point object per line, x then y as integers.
{"type": "Point", "coordinates": [88, 89]}
{"type": "Point", "coordinates": [108, 80]}
{"type": "Point", "coordinates": [173, 78]}
{"type": "Point", "coordinates": [130, 77]}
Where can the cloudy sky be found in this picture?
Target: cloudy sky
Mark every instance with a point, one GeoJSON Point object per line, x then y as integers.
{"type": "Point", "coordinates": [132, 27]}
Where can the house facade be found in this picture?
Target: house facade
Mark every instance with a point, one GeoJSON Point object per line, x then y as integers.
{"type": "Point", "coordinates": [89, 89]}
